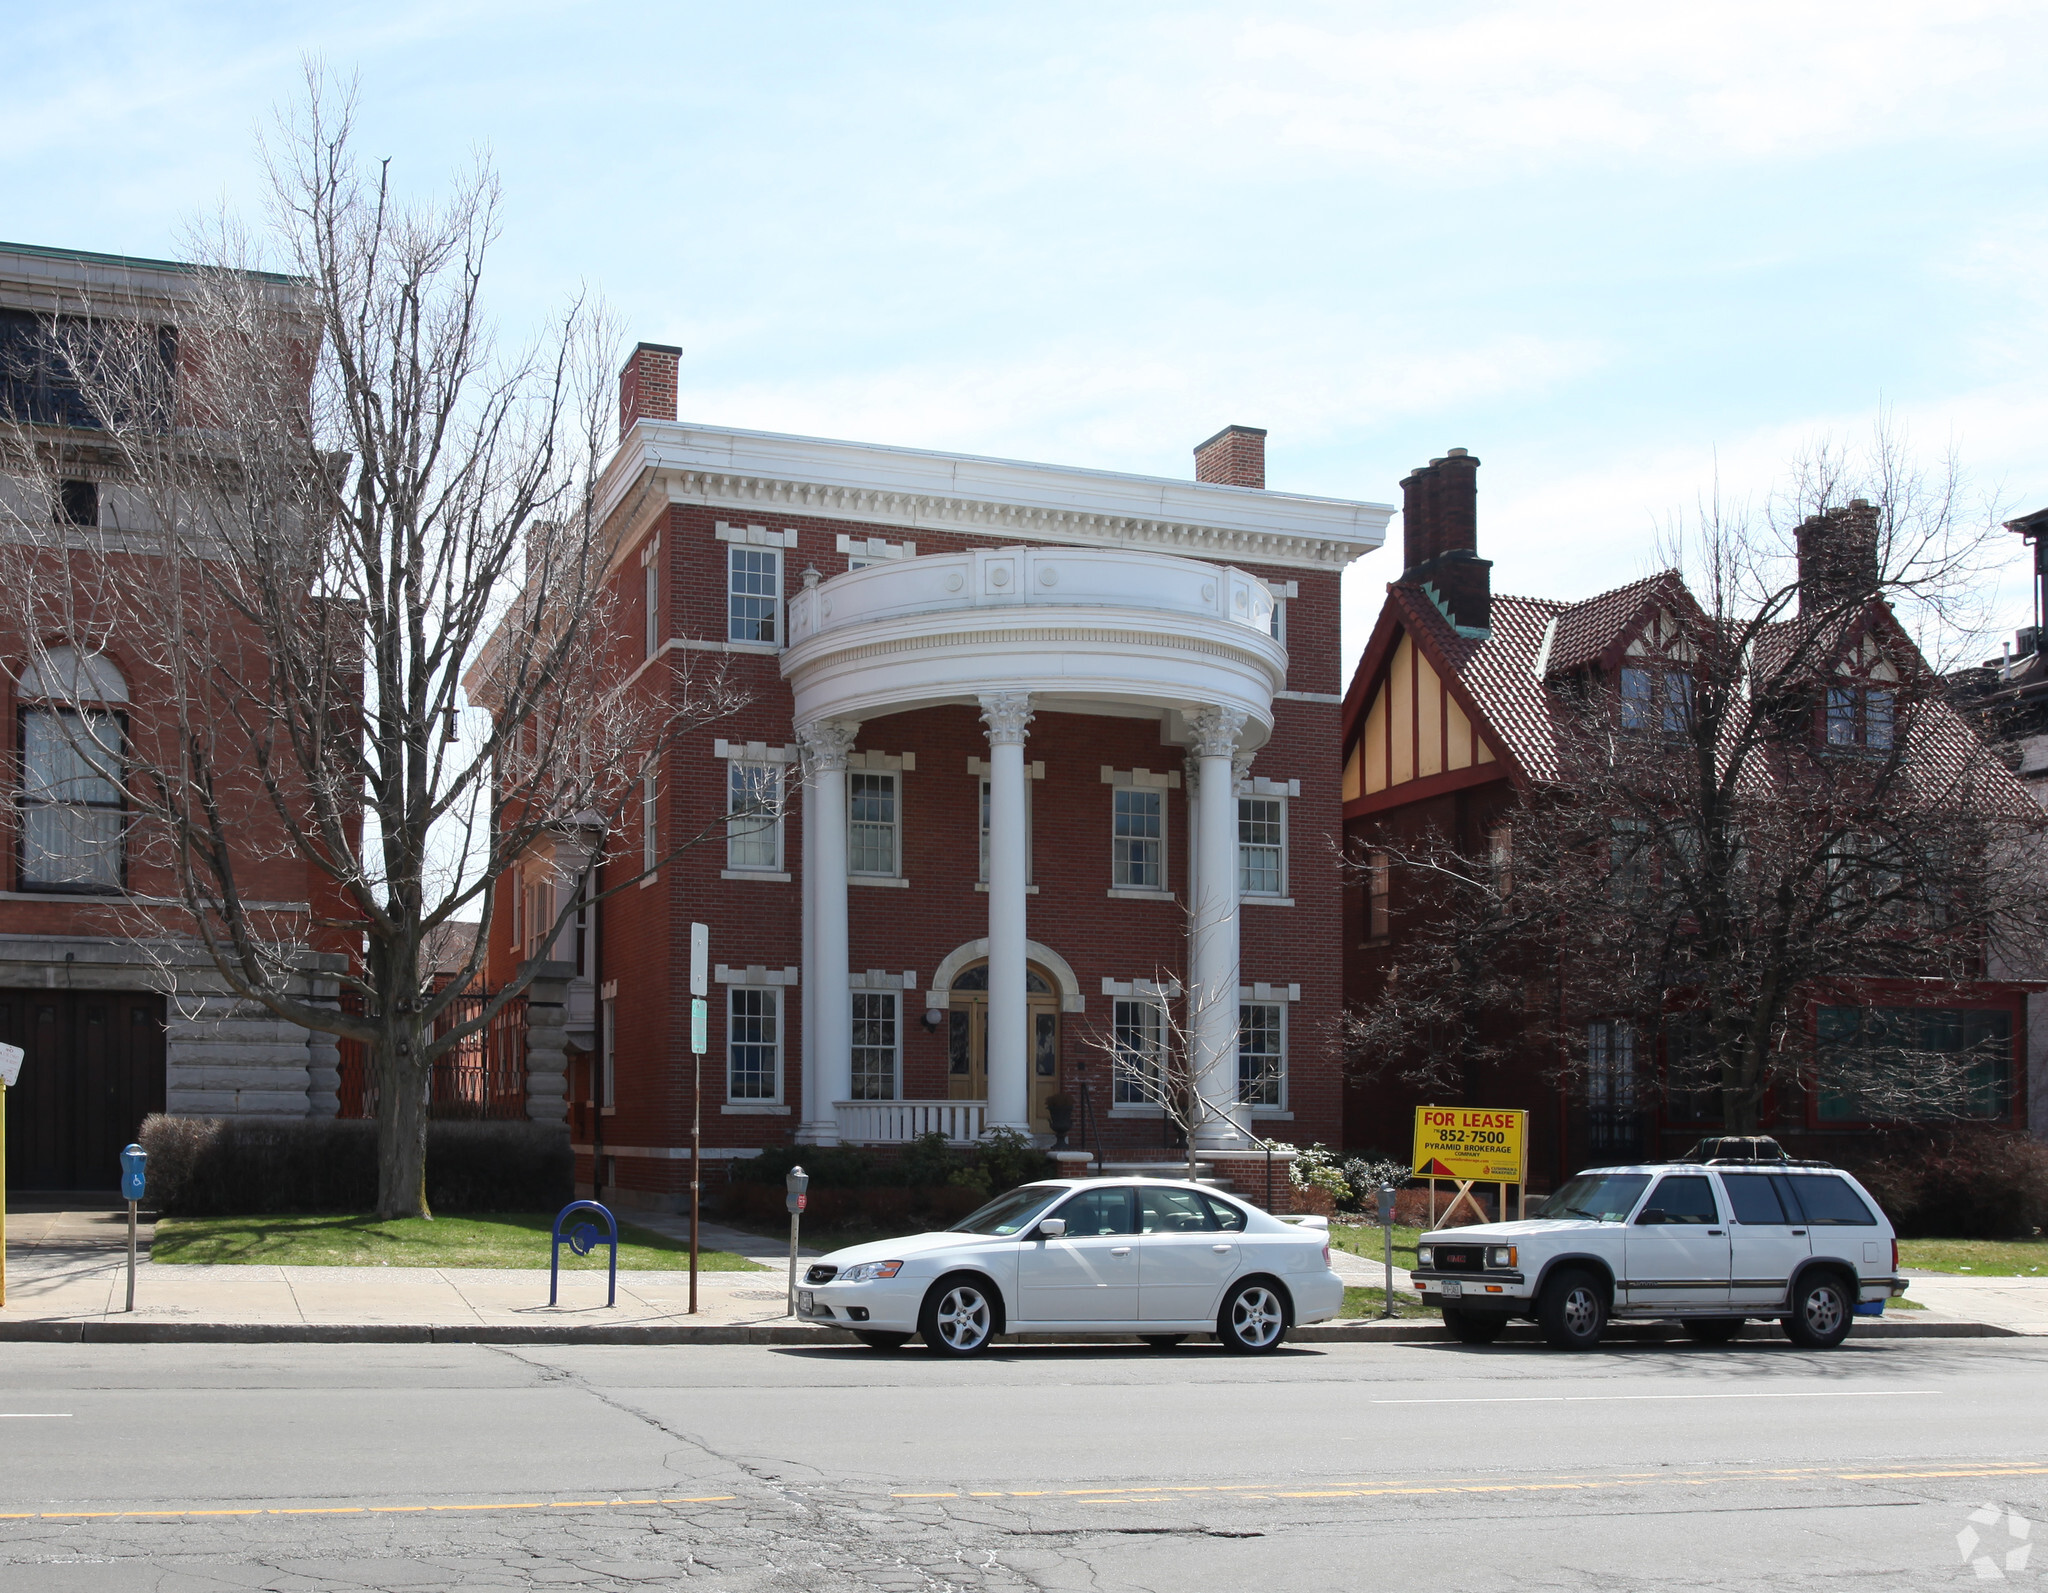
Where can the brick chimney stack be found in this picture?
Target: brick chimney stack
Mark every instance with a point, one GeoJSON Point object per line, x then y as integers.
{"type": "Point", "coordinates": [1837, 557]}
{"type": "Point", "coordinates": [1440, 540]}
{"type": "Point", "coordinates": [1234, 457]}
{"type": "Point", "coordinates": [647, 385]}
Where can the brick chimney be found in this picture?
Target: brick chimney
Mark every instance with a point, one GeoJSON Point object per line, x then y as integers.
{"type": "Point", "coordinates": [1234, 457]}
{"type": "Point", "coordinates": [1440, 540]}
{"type": "Point", "coordinates": [1837, 557]}
{"type": "Point", "coordinates": [647, 385]}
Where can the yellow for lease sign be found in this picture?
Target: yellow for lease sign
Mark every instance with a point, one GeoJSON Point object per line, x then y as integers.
{"type": "Point", "coordinates": [1456, 1142]}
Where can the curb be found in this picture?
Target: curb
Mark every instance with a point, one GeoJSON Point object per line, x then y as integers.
{"type": "Point", "coordinates": [1394, 1332]}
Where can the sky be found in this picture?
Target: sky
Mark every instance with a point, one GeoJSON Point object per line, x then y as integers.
{"type": "Point", "coordinates": [1629, 256]}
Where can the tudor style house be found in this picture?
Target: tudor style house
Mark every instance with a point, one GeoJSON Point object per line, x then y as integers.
{"type": "Point", "coordinates": [1470, 706]}
{"type": "Point", "coordinates": [115, 1023]}
{"type": "Point", "coordinates": [1034, 780]}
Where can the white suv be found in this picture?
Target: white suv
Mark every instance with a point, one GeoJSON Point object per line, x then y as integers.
{"type": "Point", "coordinates": [1709, 1243]}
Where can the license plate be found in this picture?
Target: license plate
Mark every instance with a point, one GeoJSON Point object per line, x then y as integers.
{"type": "Point", "coordinates": [1451, 1291]}
{"type": "Point", "coordinates": [804, 1301]}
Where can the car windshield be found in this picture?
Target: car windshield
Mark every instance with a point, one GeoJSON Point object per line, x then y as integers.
{"type": "Point", "coordinates": [1595, 1197]}
{"type": "Point", "coordinates": [1010, 1213]}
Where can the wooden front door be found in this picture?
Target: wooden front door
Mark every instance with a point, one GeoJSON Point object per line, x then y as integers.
{"type": "Point", "coordinates": [94, 1070]}
{"type": "Point", "coordinates": [967, 1039]}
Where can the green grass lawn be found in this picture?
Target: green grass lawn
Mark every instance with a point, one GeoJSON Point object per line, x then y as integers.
{"type": "Point", "coordinates": [1370, 1242]}
{"type": "Point", "coordinates": [512, 1239]}
{"type": "Point", "coordinates": [1371, 1302]}
{"type": "Point", "coordinates": [1980, 1258]}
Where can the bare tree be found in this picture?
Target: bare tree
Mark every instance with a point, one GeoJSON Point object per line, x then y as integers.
{"type": "Point", "coordinates": [1150, 1060]}
{"type": "Point", "coordinates": [1771, 801]}
{"type": "Point", "coordinates": [339, 498]}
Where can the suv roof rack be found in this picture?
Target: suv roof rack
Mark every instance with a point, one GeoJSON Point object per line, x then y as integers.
{"type": "Point", "coordinates": [1744, 1150]}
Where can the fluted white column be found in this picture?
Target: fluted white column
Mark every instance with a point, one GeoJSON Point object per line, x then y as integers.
{"type": "Point", "coordinates": [829, 1002]}
{"type": "Point", "coordinates": [1213, 963]}
{"type": "Point", "coordinates": [1007, 714]}
{"type": "Point", "coordinates": [817, 1125]}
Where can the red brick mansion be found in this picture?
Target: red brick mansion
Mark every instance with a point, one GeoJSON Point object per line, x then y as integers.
{"type": "Point", "coordinates": [1037, 777]}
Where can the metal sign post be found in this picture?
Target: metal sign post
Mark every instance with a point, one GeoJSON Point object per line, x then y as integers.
{"type": "Point", "coordinates": [700, 1038]}
{"type": "Point", "coordinates": [134, 1185]}
{"type": "Point", "coordinates": [1387, 1193]}
{"type": "Point", "coordinates": [794, 1186]}
{"type": "Point", "coordinates": [10, 1070]}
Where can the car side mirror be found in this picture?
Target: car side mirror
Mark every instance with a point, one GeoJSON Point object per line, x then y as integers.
{"type": "Point", "coordinates": [1053, 1228]}
{"type": "Point", "coordinates": [1654, 1215]}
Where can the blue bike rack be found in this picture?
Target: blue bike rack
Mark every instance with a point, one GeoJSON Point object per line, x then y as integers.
{"type": "Point", "coordinates": [582, 1239]}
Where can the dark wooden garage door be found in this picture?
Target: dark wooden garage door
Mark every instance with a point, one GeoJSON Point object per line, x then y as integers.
{"type": "Point", "coordinates": [94, 1070]}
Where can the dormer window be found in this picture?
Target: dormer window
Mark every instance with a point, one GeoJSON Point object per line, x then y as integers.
{"type": "Point", "coordinates": [1654, 699]}
{"type": "Point", "coordinates": [1861, 716]}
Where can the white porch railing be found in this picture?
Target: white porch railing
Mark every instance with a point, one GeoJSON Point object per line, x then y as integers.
{"type": "Point", "coordinates": [899, 1122]}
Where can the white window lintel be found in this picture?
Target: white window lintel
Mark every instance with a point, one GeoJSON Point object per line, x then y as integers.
{"type": "Point", "coordinates": [1169, 781]}
{"type": "Point", "coordinates": [758, 536]}
{"type": "Point", "coordinates": [1259, 785]}
{"type": "Point", "coordinates": [1269, 992]}
{"type": "Point", "coordinates": [752, 752]}
{"type": "Point", "coordinates": [873, 547]}
{"type": "Point", "coordinates": [880, 979]}
{"type": "Point", "coordinates": [1141, 989]}
{"type": "Point", "coordinates": [755, 975]}
{"type": "Point", "coordinates": [978, 767]}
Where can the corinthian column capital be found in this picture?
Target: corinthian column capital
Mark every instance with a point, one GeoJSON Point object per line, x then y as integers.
{"type": "Point", "coordinates": [1216, 731]}
{"type": "Point", "coordinates": [1006, 713]}
{"type": "Point", "coordinates": [826, 742]}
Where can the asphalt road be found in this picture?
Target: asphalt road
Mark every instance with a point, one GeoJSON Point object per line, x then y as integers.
{"type": "Point", "coordinates": [184, 1469]}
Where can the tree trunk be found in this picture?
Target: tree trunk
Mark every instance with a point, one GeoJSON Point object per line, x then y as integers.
{"type": "Point", "coordinates": [403, 1079]}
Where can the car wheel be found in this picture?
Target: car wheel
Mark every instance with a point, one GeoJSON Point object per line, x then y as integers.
{"type": "Point", "coordinates": [1573, 1311]}
{"type": "Point", "coordinates": [1821, 1312]}
{"type": "Point", "coordinates": [885, 1342]}
{"type": "Point", "coordinates": [1253, 1320]}
{"type": "Point", "coordinates": [1474, 1327]}
{"type": "Point", "coordinates": [1163, 1341]}
{"type": "Point", "coordinates": [1711, 1329]}
{"type": "Point", "coordinates": [958, 1317]}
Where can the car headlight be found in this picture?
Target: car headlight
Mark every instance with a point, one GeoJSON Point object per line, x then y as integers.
{"type": "Point", "coordinates": [1501, 1256]}
{"type": "Point", "coordinates": [1422, 1256]}
{"type": "Point", "coordinates": [867, 1271]}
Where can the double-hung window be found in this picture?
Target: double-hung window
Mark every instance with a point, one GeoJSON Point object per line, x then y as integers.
{"type": "Point", "coordinates": [1638, 687]}
{"type": "Point", "coordinates": [1135, 1031]}
{"type": "Point", "coordinates": [754, 595]}
{"type": "Point", "coordinates": [873, 830]}
{"type": "Point", "coordinates": [1262, 1053]}
{"type": "Point", "coordinates": [1862, 716]}
{"type": "Point", "coordinates": [876, 1033]}
{"type": "Point", "coordinates": [1653, 699]}
{"type": "Point", "coordinates": [1262, 846]}
{"type": "Point", "coordinates": [1610, 1066]}
{"type": "Point", "coordinates": [753, 816]}
{"type": "Point", "coordinates": [753, 1044]}
{"type": "Point", "coordinates": [1139, 838]}
{"type": "Point", "coordinates": [72, 800]}
{"type": "Point", "coordinates": [650, 824]}
{"type": "Point", "coordinates": [1379, 917]}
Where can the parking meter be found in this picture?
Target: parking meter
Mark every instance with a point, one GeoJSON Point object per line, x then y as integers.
{"type": "Point", "coordinates": [794, 1197]}
{"type": "Point", "coordinates": [134, 1180]}
{"type": "Point", "coordinates": [1387, 1194]}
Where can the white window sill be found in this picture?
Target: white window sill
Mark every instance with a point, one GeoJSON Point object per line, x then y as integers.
{"type": "Point", "coordinates": [768, 875]}
{"type": "Point", "coordinates": [653, 877]}
{"type": "Point", "coordinates": [891, 881]}
{"type": "Point", "coordinates": [753, 1109]}
{"type": "Point", "coordinates": [1131, 893]}
{"type": "Point", "coordinates": [1266, 901]}
{"type": "Point", "coordinates": [982, 886]}
{"type": "Point", "coordinates": [751, 647]}
{"type": "Point", "coordinates": [1137, 1111]}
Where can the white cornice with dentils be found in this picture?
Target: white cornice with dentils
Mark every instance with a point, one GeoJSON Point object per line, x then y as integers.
{"type": "Point", "coordinates": [769, 474]}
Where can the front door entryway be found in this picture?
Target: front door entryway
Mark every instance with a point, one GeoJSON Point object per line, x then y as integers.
{"type": "Point", "coordinates": [967, 1039]}
{"type": "Point", "coordinates": [94, 1069]}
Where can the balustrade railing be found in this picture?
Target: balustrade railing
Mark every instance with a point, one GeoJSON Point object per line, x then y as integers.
{"type": "Point", "coordinates": [899, 1122]}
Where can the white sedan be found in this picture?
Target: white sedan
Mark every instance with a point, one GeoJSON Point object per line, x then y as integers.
{"type": "Point", "coordinates": [1070, 1257]}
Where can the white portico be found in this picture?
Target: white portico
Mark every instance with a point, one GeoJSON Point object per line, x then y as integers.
{"type": "Point", "coordinates": [1013, 632]}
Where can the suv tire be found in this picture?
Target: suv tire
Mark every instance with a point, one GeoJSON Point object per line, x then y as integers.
{"type": "Point", "coordinates": [1711, 1329]}
{"type": "Point", "coordinates": [1573, 1311]}
{"type": "Point", "coordinates": [1822, 1311]}
{"type": "Point", "coordinates": [1253, 1320]}
{"type": "Point", "coordinates": [1474, 1327]}
{"type": "Point", "coordinates": [958, 1317]}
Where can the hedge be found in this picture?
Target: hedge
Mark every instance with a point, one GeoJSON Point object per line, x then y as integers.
{"type": "Point", "coordinates": [256, 1166]}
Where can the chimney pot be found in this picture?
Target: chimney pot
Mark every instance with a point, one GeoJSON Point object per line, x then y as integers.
{"type": "Point", "coordinates": [1234, 457]}
{"type": "Point", "coordinates": [647, 385]}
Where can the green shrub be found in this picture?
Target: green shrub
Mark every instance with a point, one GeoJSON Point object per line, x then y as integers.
{"type": "Point", "coordinates": [256, 1166]}
{"type": "Point", "coordinates": [1315, 1167]}
{"type": "Point", "coordinates": [1007, 1158]}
